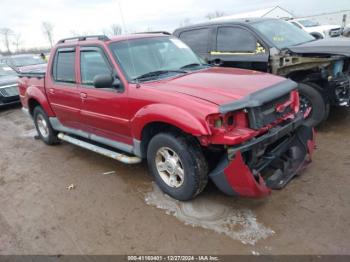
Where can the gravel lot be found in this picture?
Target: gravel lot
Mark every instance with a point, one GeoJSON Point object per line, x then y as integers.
{"type": "Point", "coordinates": [106, 212]}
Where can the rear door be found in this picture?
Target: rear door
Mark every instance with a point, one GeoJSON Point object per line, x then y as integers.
{"type": "Point", "coordinates": [104, 111]}
{"type": "Point", "coordinates": [237, 46]}
{"type": "Point", "coordinates": [62, 90]}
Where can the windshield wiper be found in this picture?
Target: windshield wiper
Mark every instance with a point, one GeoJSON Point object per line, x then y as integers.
{"type": "Point", "coordinates": [158, 73]}
{"type": "Point", "coordinates": [194, 65]}
{"type": "Point", "coordinates": [190, 65]}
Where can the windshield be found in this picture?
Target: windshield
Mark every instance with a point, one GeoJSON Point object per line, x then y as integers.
{"type": "Point", "coordinates": [282, 34]}
{"type": "Point", "coordinates": [26, 61]}
{"type": "Point", "coordinates": [155, 57]}
{"type": "Point", "coordinates": [5, 70]}
{"type": "Point", "coordinates": [308, 23]}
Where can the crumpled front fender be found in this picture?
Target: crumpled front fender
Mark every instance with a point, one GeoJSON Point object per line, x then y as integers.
{"type": "Point", "coordinates": [236, 178]}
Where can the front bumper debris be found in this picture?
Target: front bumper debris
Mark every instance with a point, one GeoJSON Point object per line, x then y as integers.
{"type": "Point", "coordinates": [268, 162]}
{"type": "Point", "coordinates": [341, 90]}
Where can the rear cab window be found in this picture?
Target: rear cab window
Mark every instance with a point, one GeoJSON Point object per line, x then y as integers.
{"type": "Point", "coordinates": [64, 66]}
{"type": "Point", "coordinates": [197, 39]}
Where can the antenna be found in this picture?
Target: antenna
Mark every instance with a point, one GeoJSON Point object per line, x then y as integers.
{"type": "Point", "coordinates": [127, 37]}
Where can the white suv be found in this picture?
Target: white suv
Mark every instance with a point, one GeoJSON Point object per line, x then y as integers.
{"type": "Point", "coordinates": [317, 30]}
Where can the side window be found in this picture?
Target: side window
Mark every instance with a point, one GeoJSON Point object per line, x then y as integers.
{"type": "Point", "coordinates": [234, 39]}
{"type": "Point", "coordinates": [197, 39]}
{"type": "Point", "coordinates": [92, 63]}
{"type": "Point", "coordinates": [64, 66]}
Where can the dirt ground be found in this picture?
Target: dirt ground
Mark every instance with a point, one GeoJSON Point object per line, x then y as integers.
{"type": "Point", "coordinates": [106, 213]}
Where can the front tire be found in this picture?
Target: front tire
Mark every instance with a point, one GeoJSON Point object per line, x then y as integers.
{"type": "Point", "coordinates": [178, 165]}
{"type": "Point", "coordinates": [312, 104]}
{"type": "Point", "coordinates": [43, 127]}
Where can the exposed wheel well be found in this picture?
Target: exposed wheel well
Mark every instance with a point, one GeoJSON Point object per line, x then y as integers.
{"type": "Point", "coordinates": [303, 77]}
{"type": "Point", "coordinates": [32, 103]}
{"type": "Point", "coordinates": [154, 128]}
{"type": "Point", "coordinates": [299, 76]}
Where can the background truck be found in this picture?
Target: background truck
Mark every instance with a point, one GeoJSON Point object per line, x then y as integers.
{"type": "Point", "coordinates": [317, 30]}
{"type": "Point", "coordinates": [320, 67]}
{"type": "Point", "coordinates": [148, 96]}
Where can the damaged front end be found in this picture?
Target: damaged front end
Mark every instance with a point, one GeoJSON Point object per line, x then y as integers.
{"type": "Point", "coordinates": [266, 162]}
{"type": "Point", "coordinates": [329, 72]}
{"type": "Point", "coordinates": [339, 89]}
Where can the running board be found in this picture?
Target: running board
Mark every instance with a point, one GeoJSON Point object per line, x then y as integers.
{"type": "Point", "coordinates": [100, 150]}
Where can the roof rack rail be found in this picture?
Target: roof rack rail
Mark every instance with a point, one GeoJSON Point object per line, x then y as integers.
{"type": "Point", "coordinates": [155, 32]}
{"type": "Point", "coordinates": [83, 38]}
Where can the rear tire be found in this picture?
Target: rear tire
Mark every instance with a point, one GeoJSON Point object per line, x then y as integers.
{"type": "Point", "coordinates": [178, 165]}
{"type": "Point", "coordinates": [311, 98]}
{"type": "Point", "coordinates": [43, 127]}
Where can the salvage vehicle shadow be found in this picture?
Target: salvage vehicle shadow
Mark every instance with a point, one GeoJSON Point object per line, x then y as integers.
{"type": "Point", "coordinates": [338, 119]}
{"type": "Point", "coordinates": [9, 108]}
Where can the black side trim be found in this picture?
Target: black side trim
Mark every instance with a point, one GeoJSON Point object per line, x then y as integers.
{"type": "Point", "coordinates": [260, 97]}
{"type": "Point", "coordinates": [38, 75]}
{"type": "Point", "coordinates": [219, 178]}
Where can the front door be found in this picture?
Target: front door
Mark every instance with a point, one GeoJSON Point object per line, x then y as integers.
{"type": "Point", "coordinates": [238, 47]}
{"type": "Point", "coordinates": [104, 111]}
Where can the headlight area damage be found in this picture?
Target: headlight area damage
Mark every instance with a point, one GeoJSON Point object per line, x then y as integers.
{"type": "Point", "coordinates": [267, 162]}
{"type": "Point", "coordinates": [264, 145]}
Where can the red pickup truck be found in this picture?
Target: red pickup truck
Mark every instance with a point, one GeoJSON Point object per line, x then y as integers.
{"type": "Point", "coordinates": [148, 96]}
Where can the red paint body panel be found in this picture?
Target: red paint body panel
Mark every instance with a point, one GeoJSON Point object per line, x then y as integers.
{"type": "Point", "coordinates": [106, 114]}
{"type": "Point", "coordinates": [242, 181]}
{"type": "Point", "coordinates": [219, 85]}
{"type": "Point", "coordinates": [34, 89]}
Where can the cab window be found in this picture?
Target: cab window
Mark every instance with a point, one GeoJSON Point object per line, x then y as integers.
{"type": "Point", "coordinates": [197, 39]}
{"type": "Point", "coordinates": [64, 66]}
{"type": "Point", "coordinates": [231, 39]}
{"type": "Point", "coordinates": [92, 63]}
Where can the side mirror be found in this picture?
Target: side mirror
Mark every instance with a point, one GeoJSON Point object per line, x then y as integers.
{"type": "Point", "coordinates": [106, 81]}
{"type": "Point", "coordinates": [103, 81]}
{"type": "Point", "coordinates": [116, 83]}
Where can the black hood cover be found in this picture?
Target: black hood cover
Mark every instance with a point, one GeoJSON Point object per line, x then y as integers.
{"type": "Point", "coordinates": [332, 46]}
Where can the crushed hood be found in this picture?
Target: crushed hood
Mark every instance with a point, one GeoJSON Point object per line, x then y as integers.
{"type": "Point", "coordinates": [220, 85]}
{"type": "Point", "coordinates": [332, 46]}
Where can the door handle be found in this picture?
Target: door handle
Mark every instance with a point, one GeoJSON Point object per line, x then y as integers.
{"type": "Point", "coordinates": [52, 91]}
{"type": "Point", "coordinates": [83, 95]}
